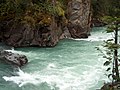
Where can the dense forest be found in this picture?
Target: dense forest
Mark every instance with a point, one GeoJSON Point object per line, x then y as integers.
{"type": "Point", "coordinates": [106, 7]}
{"type": "Point", "coordinates": [33, 12]}
{"type": "Point", "coordinates": [101, 8]}
{"type": "Point", "coordinates": [39, 12]}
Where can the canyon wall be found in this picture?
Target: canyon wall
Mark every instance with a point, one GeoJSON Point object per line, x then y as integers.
{"type": "Point", "coordinates": [79, 15]}
{"type": "Point", "coordinates": [19, 34]}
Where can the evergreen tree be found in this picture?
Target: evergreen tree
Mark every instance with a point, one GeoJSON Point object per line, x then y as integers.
{"type": "Point", "coordinates": [102, 8]}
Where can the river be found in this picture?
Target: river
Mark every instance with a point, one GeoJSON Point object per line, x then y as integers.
{"type": "Point", "coordinates": [74, 64]}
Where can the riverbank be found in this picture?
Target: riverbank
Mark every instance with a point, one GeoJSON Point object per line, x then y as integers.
{"type": "Point", "coordinates": [36, 25]}
{"type": "Point", "coordinates": [63, 67]}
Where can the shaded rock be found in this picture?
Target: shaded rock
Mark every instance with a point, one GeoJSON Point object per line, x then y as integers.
{"type": "Point", "coordinates": [13, 58]}
{"type": "Point", "coordinates": [23, 35]}
{"type": "Point", "coordinates": [111, 86]}
{"type": "Point", "coordinates": [97, 23]}
{"type": "Point", "coordinates": [65, 34]}
{"type": "Point", "coordinates": [77, 31]}
{"type": "Point", "coordinates": [84, 35]}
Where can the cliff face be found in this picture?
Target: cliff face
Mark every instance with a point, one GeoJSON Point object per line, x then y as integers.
{"type": "Point", "coordinates": [27, 35]}
{"type": "Point", "coordinates": [24, 34]}
{"type": "Point", "coordinates": [79, 16]}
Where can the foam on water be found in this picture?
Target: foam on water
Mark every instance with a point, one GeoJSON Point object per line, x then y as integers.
{"type": "Point", "coordinates": [22, 78]}
{"type": "Point", "coordinates": [60, 76]}
{"type": "Point", "coordinates": [64, 79]}
{"type": "Point", "coordinates": [19, 52]}
{"type": "Point", "coordinates": [98, 37]}
{"type": "Point", "coordinates": [51, 65]}
{"type": "Point", "coordinates": [28, 54]}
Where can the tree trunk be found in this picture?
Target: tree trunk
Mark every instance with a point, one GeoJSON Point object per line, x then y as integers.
{"type": "Point", "coordinates": [116, 55]}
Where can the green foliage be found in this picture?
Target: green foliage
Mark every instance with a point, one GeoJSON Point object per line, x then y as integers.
{"type": "Point", "coordinates": [112, 46]}
{"type": "Point", "coordinates": [108, 69]}
{"type": "Point", "coordinates": [59, 10]}
{"type": "Point", "coordinates": [32, 12]}
{"type": "Point", "coordinates": [112, 18]}
{"type": "Point", "coordinates": [102, 8]}
{"type": "Point", "coordinates": [107, 63]}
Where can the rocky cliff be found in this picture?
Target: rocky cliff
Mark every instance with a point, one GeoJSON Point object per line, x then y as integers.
{"type": "Point", "coordinates": [79, 15]}
{"type": "Point", "coordinates": [20, 34]}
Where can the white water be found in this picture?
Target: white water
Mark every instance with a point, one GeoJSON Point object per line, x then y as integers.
{"type": "Point", "coordinates": [64, 78]}
{"type": "Point", "coordinates": [101, 36]}
{"type": "Point", "coordinates": [77, 71]}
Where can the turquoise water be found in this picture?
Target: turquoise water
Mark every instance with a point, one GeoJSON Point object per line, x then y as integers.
{"type": "Point", "coordinates": [74, 64]}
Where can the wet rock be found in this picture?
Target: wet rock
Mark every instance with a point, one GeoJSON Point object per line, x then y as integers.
{"type": "Point", "coordinates": [111, 86]}
{"type": "Point", "coordinates": [13, 58]}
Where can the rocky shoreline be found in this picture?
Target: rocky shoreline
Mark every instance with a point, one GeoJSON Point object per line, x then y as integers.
{"type": "Point", "coordinates": [111, 86]}
{"type": "Point", "coordinates": [49, 32]}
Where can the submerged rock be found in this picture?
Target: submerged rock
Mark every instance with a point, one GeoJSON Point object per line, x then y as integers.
{"type": "Point", "coordinates": [13, 58]}
{"type": "Point", "coordinates": [111, 86]}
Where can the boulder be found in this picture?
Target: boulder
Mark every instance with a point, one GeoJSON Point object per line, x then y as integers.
{"type": "Point", "coordinates": [13, 58]}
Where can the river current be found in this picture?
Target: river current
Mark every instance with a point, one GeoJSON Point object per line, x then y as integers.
{"type": "Point", "coordinates": [74, 64]}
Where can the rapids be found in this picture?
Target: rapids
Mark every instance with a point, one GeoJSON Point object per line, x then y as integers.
{"type": "Point", "coordinates": [74, 64]}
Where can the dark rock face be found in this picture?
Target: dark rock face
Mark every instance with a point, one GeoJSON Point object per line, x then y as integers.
{"type": "Point", "coordinates": [24, 34]}
{"type": "Point", "coordinates": [97, 23]}
{"type": "Point", "coordinates": [79, 18]}
{"type": "Point", "coordinates": [27, 35]}
{"type": "Point", "coordinates": [111, 86]}
{"type": "Point", "coordinates": [65, 34]}
{"type": "Point", "coordinates": [13, 58]}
